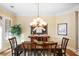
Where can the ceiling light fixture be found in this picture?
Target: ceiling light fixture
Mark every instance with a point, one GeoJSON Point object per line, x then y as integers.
{"type": "Point", "coordinates": [38, 21]}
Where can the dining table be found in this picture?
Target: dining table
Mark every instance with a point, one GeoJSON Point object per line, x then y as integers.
{"type": "Point", "coordinates": [28, 46]}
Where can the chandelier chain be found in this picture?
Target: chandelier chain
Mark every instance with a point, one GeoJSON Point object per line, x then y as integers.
{"type": "Point", "coordinates": [38, 9]}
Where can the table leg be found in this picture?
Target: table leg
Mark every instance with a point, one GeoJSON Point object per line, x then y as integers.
{"type": "Point", "coordinates": [24, 52]}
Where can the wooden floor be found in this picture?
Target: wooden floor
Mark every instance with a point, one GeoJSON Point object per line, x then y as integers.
{"type": "Point", "coordinates": [8, 53]}
{"type": "Point", "coordinates": [71, 53]}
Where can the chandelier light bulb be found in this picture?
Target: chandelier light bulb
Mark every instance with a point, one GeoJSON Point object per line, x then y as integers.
{"type": "Point", "coordinates": [39, 21]}
{"type": "Point", "coordinates": [31, 24]}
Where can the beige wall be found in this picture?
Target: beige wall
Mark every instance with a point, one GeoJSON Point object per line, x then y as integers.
{"type": "Point", "coordinates": [13, 21]}
{"type": "Point", "coordinates": [70, 20]}
{"type": "Point", "coordinates": [25, 24]}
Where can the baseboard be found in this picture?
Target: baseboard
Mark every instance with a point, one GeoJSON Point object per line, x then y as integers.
{"type": "Point", "coordinates": [4, 50]}
{"type": "Point", "coordinates": [73, 50]}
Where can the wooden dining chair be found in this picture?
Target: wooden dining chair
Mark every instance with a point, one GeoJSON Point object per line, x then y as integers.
{"type": "Point", "coordinates": [38, 47]}
{"type": "Point", "coordinates": [54, 48]}
{"type": "Point", "coordinates": [14, 47]}
{"type": "Point", "coordinates": [27, 47]}
{"type": "Point", "coordinates": [63, 46]}
{"type": "Point", "coordinates": [51, 48]}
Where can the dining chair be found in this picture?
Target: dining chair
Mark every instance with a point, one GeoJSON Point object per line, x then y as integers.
{"type": "Point", "coordinates": [51, 48]}
{"type": "Point", "coordinates": [14, 47]}
{"type": "Point", "coordinates": [27, 45]}
{"type": "Point", "coordinates": [63, 47]}
{"type": "Point", "coordinates": [38, 47]}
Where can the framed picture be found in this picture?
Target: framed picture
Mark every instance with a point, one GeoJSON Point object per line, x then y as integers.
{"type": "Point", "coordinates": [62, 29]}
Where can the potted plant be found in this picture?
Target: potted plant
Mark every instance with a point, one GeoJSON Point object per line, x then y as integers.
{"type": "Point", "coordinates": [16, 30]}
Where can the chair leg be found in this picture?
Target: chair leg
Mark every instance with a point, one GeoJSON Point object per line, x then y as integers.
{"type": "Point", "coordinates": [15, 53]}
{"type": "Point", "coordinates": [24, 52]}
{"type": "Point", "coordinates": [12, 54]}
{"type": "Point", "coordinates": [64, 54]}
{"type": "Point", "coordinates": [49, 52]}
{"type": "Point", "coordinates": [43, 52]}
{"type": "Point", "coordinates": [29, 52]}
{"type": "Point", "coordinates": [60, 52]}
{"type": "Point", "coordinates": [35, 52]}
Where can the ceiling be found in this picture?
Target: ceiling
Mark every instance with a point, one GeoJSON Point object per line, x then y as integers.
{"type": "Point", "coordinates": [31, 9]}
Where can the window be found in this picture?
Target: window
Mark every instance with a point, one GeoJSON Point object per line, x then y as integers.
{"type": "Point", "coordinates": [7, 26]}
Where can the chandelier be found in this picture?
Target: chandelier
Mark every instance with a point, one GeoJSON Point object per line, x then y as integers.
{"type": "Point", "coordinates": [38, 21]}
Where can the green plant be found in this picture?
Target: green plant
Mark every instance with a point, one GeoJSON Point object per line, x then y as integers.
{"type": "Point", "coordinates": [16, 30]}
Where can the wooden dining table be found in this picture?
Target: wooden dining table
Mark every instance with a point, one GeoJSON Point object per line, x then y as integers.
{"type": "Point", "coordinates": [31, 46]}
